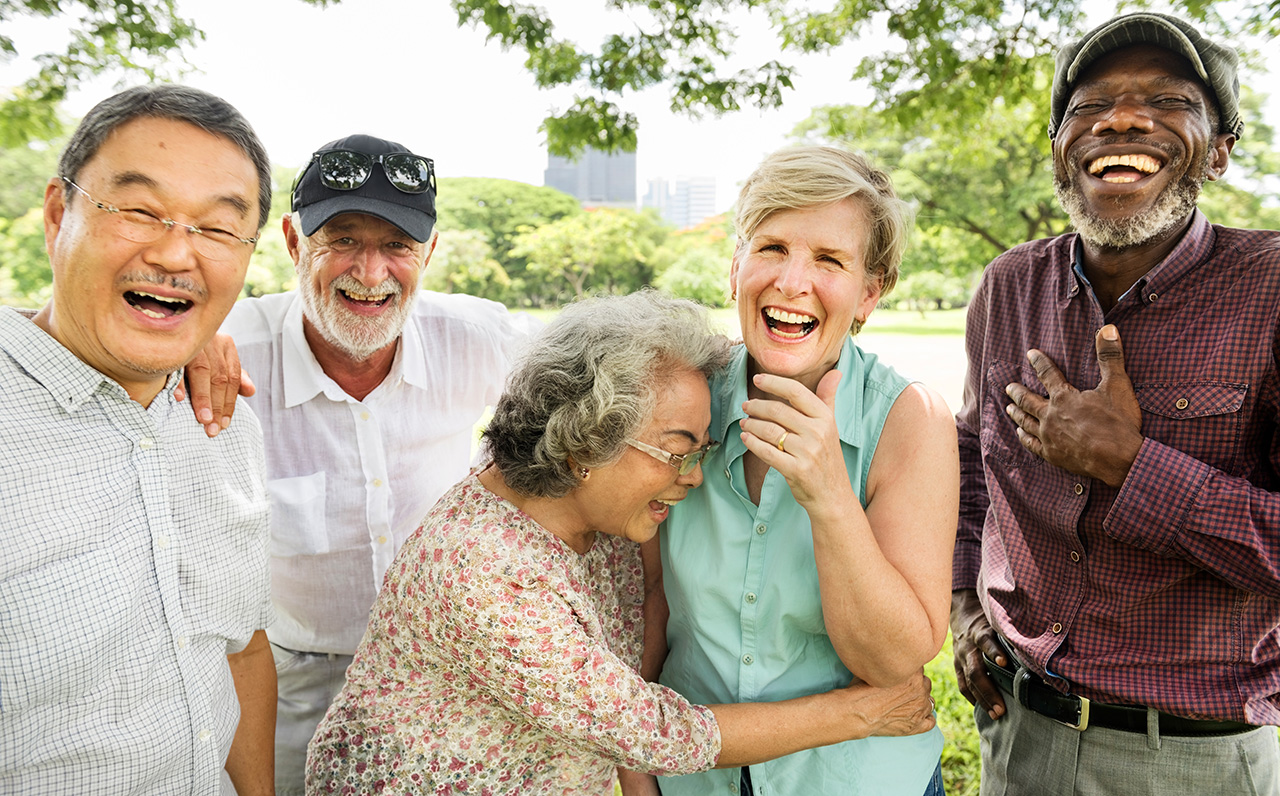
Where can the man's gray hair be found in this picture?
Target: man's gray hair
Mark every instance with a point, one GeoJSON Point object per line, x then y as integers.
{"type": "Point", "coordinates": [168, 101]}
{"type": "Point", "coordinates": [590, 381]}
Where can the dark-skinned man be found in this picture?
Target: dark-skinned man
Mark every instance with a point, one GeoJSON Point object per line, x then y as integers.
{"type": "Point", "coordinates": [1117, 569]}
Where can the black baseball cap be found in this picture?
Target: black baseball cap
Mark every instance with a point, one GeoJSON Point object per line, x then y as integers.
{"type": "Point", "coordinates": [1214, 63]}
{"type": "Point", "coordinates": [314, 203]}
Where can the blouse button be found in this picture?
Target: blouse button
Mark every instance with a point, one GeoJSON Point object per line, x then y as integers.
{"type": "Point", "coordinates": [1075, 556]}
{"type": "Point", "coordinates": [760, 529]}
{"type": "Point", "coordinates": [750, 598]}
{"type": "Point", "coordinates": [1078, 489]}
{"type": "Point", "coordinates": [748, 659]}
{"type": "Point", "coordinates": [1057, 627]}
{"type": "Point", "coordinates": [1153, 297]}
{"type": "Point", "coordinates": [1182, 403]}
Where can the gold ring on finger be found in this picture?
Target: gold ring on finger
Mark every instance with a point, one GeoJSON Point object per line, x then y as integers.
{"type": "Point", "coordinates": [781, 440]}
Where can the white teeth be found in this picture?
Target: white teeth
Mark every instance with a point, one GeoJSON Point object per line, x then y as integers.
{"type": "Point", "coordinates": [787, 317]}
{"type": "Point", "coordinates": [152, 313]}
{"type": "Point", "coordinates": [1143, 163]}
{"type": "Point", "coordinates": [668, 502]}
{"type": "Point", "coordinates": [159, 298]}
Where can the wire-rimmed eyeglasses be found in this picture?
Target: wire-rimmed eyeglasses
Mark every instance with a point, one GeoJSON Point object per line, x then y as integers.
{"type": "Point", "coordinates": [143, 226]}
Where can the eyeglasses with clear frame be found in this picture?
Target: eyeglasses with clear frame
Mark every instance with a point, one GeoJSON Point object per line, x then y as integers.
{"type": "Point", "coordinates": [141, 226]}
{"type": "Point", "coordinates": [683, 462]}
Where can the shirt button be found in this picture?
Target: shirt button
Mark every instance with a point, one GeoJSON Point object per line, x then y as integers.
{"type": "Point", "coordinates": [182, 642]}
{"type": "Point", "coordinates": [1153, 297]}
{"type": "Point", "coordinates": [748, 659]}
{"type": "Point", "coordinates": [1075, 556]}
{"type": "Point", "coordinates": [364, 415]}
{"type": "Point", "coordinates": [382, 540]}
{"type": "Point", "coordinates": [1182, 403]}
{"type": "Point", "coordinates": [1057, 627]}
{"type": "Point", "coordinates": [205, 735]}
{"type": "Point", "coordinates": [751, 598]}
{"type": "Point", "coordinates": [760, 529]}
{"type": "Point", "coordinates": [1078, 489]}
{"type": "Point", "coordinates": [146, 443]}
{"type": "Point", "coordinates": [377, 482]}
{"type": "Point", "coordinates": [162, 542]}
{"type": "Point", "coordinates": [733, 787]}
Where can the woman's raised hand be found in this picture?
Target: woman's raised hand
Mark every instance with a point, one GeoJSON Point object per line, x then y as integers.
{"type": "Point", "coordinates": [797, 435]}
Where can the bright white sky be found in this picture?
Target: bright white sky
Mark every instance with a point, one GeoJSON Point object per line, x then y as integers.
{"type": "Point", "coordinates": [403, 70]}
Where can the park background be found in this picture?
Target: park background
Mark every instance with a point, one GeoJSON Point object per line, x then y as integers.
{"type": "Point", "coordinates": [950, 97]}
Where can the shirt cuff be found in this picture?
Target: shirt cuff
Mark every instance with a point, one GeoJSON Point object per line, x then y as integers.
{"type": "Point", "coordinates": [965, 564]}
{"type": "Point", "coordinates": [1156, 498]}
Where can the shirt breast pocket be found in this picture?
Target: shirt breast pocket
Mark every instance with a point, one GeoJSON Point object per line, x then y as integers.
{"type": "Point", "coordinates": [999, 434]}
{"type": "Point", "coordinates": [298, 525]}
{"type": "Point", "coordinates": [1198, 418]}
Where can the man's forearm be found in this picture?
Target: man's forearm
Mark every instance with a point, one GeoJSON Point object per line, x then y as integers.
{"type": "Point", "coordinates": [251, 763]}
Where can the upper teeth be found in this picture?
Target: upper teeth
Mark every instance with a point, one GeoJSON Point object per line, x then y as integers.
{"type": "Point", "coordinates": [366, 296]}
{"type": "Point", "coordinates": [1143, 163]}
{"type": "Point", "coordinates": [788, 317]}
{"type": "Point", "coordinates": [160, 298]}
{"type": "Point", "coordinates": [668, 502]}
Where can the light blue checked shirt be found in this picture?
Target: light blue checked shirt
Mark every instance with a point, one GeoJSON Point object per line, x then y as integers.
{"type": "Point", "coordinates": [134, 561]}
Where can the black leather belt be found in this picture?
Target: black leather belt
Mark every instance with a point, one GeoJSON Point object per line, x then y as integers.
{"type": "Point", "coordinates": [1080, 713]}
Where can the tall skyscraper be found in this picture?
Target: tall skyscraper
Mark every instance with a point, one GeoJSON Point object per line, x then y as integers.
{"type": "Point", "coordinates": [596, 179]}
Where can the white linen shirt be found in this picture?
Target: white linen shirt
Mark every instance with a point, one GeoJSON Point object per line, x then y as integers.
{"type": "Point", "coordinates": [134, 560]}
{"type": "Point", "coordinates": [350, 480]}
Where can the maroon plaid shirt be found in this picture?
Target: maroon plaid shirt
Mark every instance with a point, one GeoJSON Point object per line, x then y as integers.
{"type": "Point", "coordinates": [1165, 592]}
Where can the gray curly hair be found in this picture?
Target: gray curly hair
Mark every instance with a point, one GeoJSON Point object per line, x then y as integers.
{"type": "Point", "coordinates": [589, 381]}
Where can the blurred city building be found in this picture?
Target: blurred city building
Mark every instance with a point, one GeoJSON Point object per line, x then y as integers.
{"type": "Point", "coordinates": [596, 179]}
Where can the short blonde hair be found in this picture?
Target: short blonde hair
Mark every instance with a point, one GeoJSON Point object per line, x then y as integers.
{"type": "Point", "coordinates": [809, 176]}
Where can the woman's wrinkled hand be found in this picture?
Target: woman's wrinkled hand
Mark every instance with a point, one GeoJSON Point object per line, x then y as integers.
{"type": "Point", "coordinates": [902, 709]}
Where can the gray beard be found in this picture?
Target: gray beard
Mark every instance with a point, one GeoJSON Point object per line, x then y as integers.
{"type": "Point", "coordinates": [1171, 208]}
{"type": "Point", "coordinates": [355, 336]}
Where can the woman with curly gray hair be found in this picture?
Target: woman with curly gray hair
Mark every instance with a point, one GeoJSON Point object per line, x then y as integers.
{"type": "Point", "coordinates": [503, 653]}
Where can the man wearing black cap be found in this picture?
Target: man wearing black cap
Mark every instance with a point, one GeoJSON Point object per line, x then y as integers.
{"type": "Point", "coordinates": [367, 390]}
{"type": "Point", "coordinates": [1117, 567]}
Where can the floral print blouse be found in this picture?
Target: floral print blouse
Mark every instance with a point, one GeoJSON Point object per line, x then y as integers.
{"type": "Point", "coordinates": [500, 661]}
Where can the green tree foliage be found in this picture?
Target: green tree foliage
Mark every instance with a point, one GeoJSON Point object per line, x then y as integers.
{"type": "Point", "coordinates": [25, 279]}
{"type": "Point", "coordinates": [601, 251]}
{"type": "Point", "coordinates": [501, 210]}
{"type": "Point", "coordinates": [463, 262]}
{"type": "Point", "coordinates": [24, 172]}
{"type": "Point", "coordinates": [694, 263]}
{"type": "Point", "coordinates": [947, 61]}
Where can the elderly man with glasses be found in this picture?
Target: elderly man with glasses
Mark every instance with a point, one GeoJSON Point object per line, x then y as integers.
{"type": "Point", "coordinates": [368, 390]}
{"type": "Point", "coordinates": [134, 582]}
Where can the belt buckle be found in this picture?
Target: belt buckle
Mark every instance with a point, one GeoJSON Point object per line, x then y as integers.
{"type": "Point", "coordinates": [1022, 681]}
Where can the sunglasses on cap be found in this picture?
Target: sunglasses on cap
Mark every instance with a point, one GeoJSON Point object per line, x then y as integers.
{"type": "Point", "coordinates": [346, 170]}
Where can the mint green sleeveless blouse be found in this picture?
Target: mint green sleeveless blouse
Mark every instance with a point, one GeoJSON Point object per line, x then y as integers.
{"type": "Point", "coordinates": [746, 616]}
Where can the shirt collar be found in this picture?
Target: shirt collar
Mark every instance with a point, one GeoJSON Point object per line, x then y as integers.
{"type": "Point", "coordinates": [304, 379]}
{"type": "Point", "coordinates": [1192, 250]}
{"type": "Point", "coordinates": [730, 391]}
{"type": "Point", "coordinates": [68, 379]}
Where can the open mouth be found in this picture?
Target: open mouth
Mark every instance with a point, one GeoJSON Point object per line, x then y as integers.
{"type": "Point", "coordinates": [789, 325]}
{"type": "Point", "coordinates": [1124, 168]}
{"type": "Point", "coordinates": [154, 306]}
{"type": "Point", "coordinates": [366, 299]}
